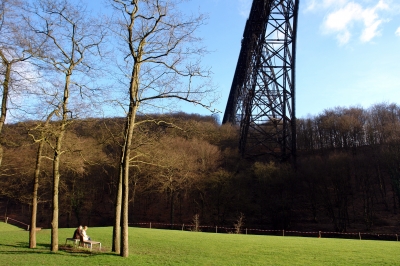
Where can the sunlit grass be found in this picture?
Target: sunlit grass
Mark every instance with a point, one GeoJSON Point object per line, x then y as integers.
{"type": "Point", "coordinates": [165, 247]}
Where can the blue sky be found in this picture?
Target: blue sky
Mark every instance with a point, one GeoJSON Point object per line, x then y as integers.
{"type": "Point", "coordinates": [348, 51]}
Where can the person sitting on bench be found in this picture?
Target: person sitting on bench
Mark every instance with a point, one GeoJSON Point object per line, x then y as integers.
{"type": "Point", "coordinates": [78, 234]}
{"type": "Point", "coordinates": [85, 236]}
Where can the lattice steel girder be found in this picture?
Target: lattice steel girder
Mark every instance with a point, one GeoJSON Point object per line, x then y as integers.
{"type": "Point", "coordinates": [262, 96]}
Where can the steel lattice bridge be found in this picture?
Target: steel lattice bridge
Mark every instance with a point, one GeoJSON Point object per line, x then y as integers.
{"type": "Point", "coordinates": [262, 97]}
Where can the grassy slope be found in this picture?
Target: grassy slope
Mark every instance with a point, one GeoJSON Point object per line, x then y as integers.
{"type": "Point", "coordinates": [164, 247]}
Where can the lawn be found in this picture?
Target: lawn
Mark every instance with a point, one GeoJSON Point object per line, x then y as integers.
{"type": "Point", "coordinates": [166, 247]}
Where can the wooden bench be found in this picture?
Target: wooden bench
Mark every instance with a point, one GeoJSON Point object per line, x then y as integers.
{"type": "Point", "coordinates": [87, 243]}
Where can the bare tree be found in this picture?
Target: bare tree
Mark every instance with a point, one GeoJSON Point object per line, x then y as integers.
{"type": "Point", "coordinates": [161, 57]}
{"type": "Point", "coordinates": [16, 46]}
{"type": "Point", "coordinates": [179, 166]}
{"type": "Point", "coordinates": [73, 37]}
{"type": "Point", "coordinates": [239, 224]}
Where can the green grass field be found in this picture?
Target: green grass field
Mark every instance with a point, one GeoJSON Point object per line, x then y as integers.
{"type": "Point", "coordinates": [165, 247]}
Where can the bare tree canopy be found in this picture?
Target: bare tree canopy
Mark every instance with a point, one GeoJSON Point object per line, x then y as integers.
{"type": "Point", "coordinates": [161, 42]}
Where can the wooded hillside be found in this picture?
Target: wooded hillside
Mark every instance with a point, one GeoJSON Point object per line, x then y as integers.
{"type": "Point", "coordinates": [347, 176]}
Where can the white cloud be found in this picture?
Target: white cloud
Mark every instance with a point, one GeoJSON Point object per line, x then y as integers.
{"type": "Point", "coordinates": [398, 31]}
{"type": "Point", "coordinates": [346, 17]}
{"type": "Point", "coordinates": [342, 19]}
{"type": "Point", "coordinates": [341, 22]}
{"type": "Point", "coordinates": [372, 21]}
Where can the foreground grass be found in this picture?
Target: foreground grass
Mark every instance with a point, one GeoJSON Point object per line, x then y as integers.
{"type": "Point", "coordinates": [164, 247]}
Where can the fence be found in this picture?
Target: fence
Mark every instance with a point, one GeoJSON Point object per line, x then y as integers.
{"type": "Point", "coordinates": [230, 230]}
{"type": "Point", "coordinates": [17, 223]}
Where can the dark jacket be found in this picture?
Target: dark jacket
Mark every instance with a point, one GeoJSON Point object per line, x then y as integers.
{"type": "Point", "coordinates": [78, 234]}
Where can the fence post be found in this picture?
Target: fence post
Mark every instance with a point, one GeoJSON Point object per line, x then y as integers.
{"type": "Point", "coordinates": [28, 228]}
{"type": "Point", "coordinates": [183, 225]}
{"type": "Point", "coordinates": [397, 237]}
{"type": "Point", "coordinates": [150, 225]}
{"type": "Point", "coordinates": [246, 231]}
{"type": "Point", "coordinates": [319, 236]}
{"type": "Point", "coordinates": [359, 234]}
{"type": "Point", "coordinates": [216, 229]}
{"type": "Point", "coordinates": [283, 232]}
{"type": "Point", "coordinates": [6, 219]}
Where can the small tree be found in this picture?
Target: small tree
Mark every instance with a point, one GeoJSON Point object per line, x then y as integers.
{"type": "Point", "coordinates": [196, 223]}
{"type": "Point", "coordinates": [239, 224]}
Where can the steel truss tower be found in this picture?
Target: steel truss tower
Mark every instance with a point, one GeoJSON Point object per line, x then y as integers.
{"type": "Point", "coordinates": [262, 96]}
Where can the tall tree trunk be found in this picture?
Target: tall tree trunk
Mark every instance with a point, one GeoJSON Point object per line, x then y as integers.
{"type": "Point", "coordinates": [56, 182]}
{"type": "Point", "coordinates": [32, 234]}
{"type": "Point", "coordinates": [130, 125]}
{"type": "Point", "coordinates": [172, 208]}
{"type": "Point", "coordinates": [56, 166]}
{"type": "Point", "coordinates": [125, 179]}
{"type": "Point", "coordinates": [125, 211]}
{"type": "Point", "coordinates": [4, 99]}
{"type": "Point", "coordinates": [116, 244]}
{"type": "Point", "coordinates": [134, 194]}
{"type": "Point", "coordinates": [6, 210]}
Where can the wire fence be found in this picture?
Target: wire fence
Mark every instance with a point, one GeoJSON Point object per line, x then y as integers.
{"type": "Point", "coordinates": [232, 230]}
{"type": "Point", "coordinates": [17, 223]}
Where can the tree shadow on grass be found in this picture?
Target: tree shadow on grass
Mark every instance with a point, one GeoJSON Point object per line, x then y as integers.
{"type": "Point", "coordinates": [64, 250]}
{"type": "Point", "coordinates": [41, 245]}
{"type": "Point", "coordinates": [16, 245]}
{"type": "Point", "coordinates": [30, 251]}
{"type": "Point", "coordinates": [79, 250]}
{"type": "Point", "coordinates": [25, 249]}
{"type": "Point", "coordinates": [26, 245]}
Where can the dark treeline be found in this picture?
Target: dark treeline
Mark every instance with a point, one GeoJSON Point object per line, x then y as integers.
{"type": "Point", "coordinates": [349, 128]}
{"type": "Point", "coordinates": [347, 176]}
{"type": "Point", "coordinates": [350, 166]}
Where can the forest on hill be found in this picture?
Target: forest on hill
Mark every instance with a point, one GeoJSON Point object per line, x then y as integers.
{"type": "Point", "coordinates": [347, 175]}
